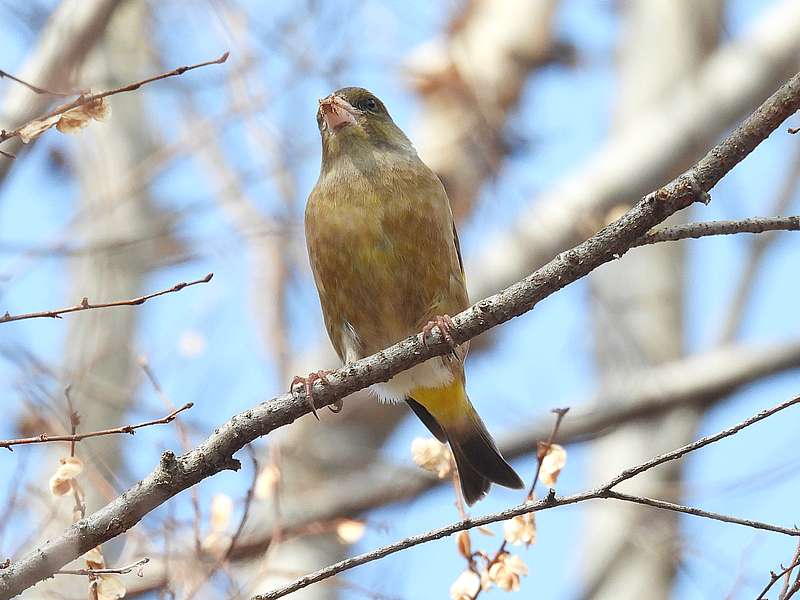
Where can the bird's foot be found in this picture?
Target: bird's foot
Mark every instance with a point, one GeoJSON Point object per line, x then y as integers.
{"type": "Point", "coordinates": [308, 386]}
{"type": "Point", "coordinates": [445, 325]}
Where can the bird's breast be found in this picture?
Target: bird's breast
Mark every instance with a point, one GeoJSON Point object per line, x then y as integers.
{"type": "Point", "coordinates": [380, 255]}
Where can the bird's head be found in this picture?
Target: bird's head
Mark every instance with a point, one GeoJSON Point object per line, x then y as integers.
{"type": "Point", "coordinates": [354, 121]}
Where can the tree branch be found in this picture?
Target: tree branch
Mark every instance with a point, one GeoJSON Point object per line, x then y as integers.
{"type": "Point", "coordinates": [86, 305]}
{"type": "Point", "coordinates": [700, 230]}
{"type": "Point", "coordinates": [86, 99]}
{"type": "Point", "coordinates": [605, 491]}
{"type": "Point", "coordinates": [774, 577]}
{"type": "Point", "coordinates": [758, 247]}
{"type": "Point", "coordinates": [34, 88]}
{"type": "Point", "coordinates": [44, 438]}
{"type": "Point", "coordinates": [215, 454]}
{"type": "Point", "coordinates": [106, 571]}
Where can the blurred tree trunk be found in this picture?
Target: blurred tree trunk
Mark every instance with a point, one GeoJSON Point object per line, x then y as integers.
{"type": "Point", "coordinates": [470, 82]}
{"type": "Point", "coordinates": [637, 311]}
{"type": "Point", "coordinates": [99, 360]}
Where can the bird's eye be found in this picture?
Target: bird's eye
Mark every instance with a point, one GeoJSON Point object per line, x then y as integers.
{"type": "Point", "coordinates": [369, 104]}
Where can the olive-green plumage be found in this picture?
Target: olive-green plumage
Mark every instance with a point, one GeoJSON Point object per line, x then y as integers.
{"type": "Point", "coordinates": [385, 257]}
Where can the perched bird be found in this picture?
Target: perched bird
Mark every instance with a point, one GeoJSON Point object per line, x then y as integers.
{"type": "Point", "coordinates": [387, 264]}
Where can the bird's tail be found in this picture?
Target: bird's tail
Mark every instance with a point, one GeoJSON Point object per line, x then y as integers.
{"type": "Point", "coordinates": [478, 460]}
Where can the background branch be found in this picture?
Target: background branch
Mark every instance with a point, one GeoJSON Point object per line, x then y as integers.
{"type": "Point", "coordinates": [86, 305]}
{"type": "Point", "coordinates": [700, 230]}
{"type": "Point", "coordinates": [44, 438]}
{"type": "Point", "coordinates": [552, 501]}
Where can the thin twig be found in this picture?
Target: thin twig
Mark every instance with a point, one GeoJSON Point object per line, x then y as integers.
{"type": "Point", "coordinates": [774, 577]}
{"type": "Point", "coordinates": [221, 560]}
{"type": "Point", "coordinates": [86, 305]}
{"type": "Point", "coordinates": [560, 413]}
{"type": "Point", "coordinates": [710, 439]}
{"type": "Point", "coordinates": [107, 571]}
{"type": "Point", "coordinates": [45, 438]}
{"type": "Point", "coordinates": [602, 492]}
{"type": "Point", "coordinates": [734, 312]}
{"type": "Point", "coordinates": [74, 422]}
{"type": "Point", "coordinates": [248, 501]}
{"type": "Point", "coordinates": [85, 99]}
{"type": "Point", "coordinates": [699, 512]}
{"type": "Point", "coordinates": [34, 88]}
{"type": "Point", "coordinates": [709, 228]}
{"type": "Point", "coordinates": [183, 435]}
{"type": "Point", "coordinates": [545, 504]}
{"type": "Point", "coordinates": [788, 573]}
{"type": "Point", "coordinates": [790, 589]}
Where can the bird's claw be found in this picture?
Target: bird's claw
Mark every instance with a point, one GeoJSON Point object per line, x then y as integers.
{"type": "Point", "coordinates": [308, 386]}
{"type": "Point", "coordinates": [445, 325]}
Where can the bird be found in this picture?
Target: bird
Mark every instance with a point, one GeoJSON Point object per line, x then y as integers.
{"type": "Point", "coordinates": [386, 262]}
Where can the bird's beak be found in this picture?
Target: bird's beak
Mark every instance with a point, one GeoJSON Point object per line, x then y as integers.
{"type": "Point", "coordinates": [337, 112]}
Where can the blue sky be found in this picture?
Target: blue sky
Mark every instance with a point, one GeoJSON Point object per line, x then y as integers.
{"type": "Point", "coordinates": [564, 116]}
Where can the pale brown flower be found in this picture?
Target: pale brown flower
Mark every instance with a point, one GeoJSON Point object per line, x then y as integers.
{"type": "Point", "coordinates": [520, 530]}
{"type": "Point", "coordinates": [36, 128]}
{"type": "Point", "coordinates": [463, 544]}
{"type": "Point", "coordinates": [349, 531]}
{"type": "Point", "coordinates": [465, 586]}
{"type": "Point", "coordinates": [68, 469]}
{"type": "Point", "coordinates": [79, 117]}
{"type": "Point", "coordinates": [110, 587]}
{"type": "Point", "coordinates": [218, 539]}
{"type": "Point", "coordinates": [432, 455]}
{"type": "Point", "coordinates": [552, 463]}
{"type": "Point", "coordinates": [94, 558]}
{"type": "Point", "coordinates": [266, 481]}
{"type": "Point", "coordinates": [506, 571]}
{"type": "Point", "coordinates": [221, 511]}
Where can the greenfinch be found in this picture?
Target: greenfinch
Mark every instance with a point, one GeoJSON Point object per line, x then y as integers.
{"type": "Point", "coordinates": [386, 262]}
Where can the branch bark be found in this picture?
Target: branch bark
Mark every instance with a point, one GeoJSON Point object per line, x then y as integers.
{"type": "Point", "coordinates": [215, 454]}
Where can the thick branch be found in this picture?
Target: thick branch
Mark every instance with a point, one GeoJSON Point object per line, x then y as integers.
{"type": "Point", "coordinates": [174, 475]}
{"type": "Point", "coordinates": [86, 305]}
